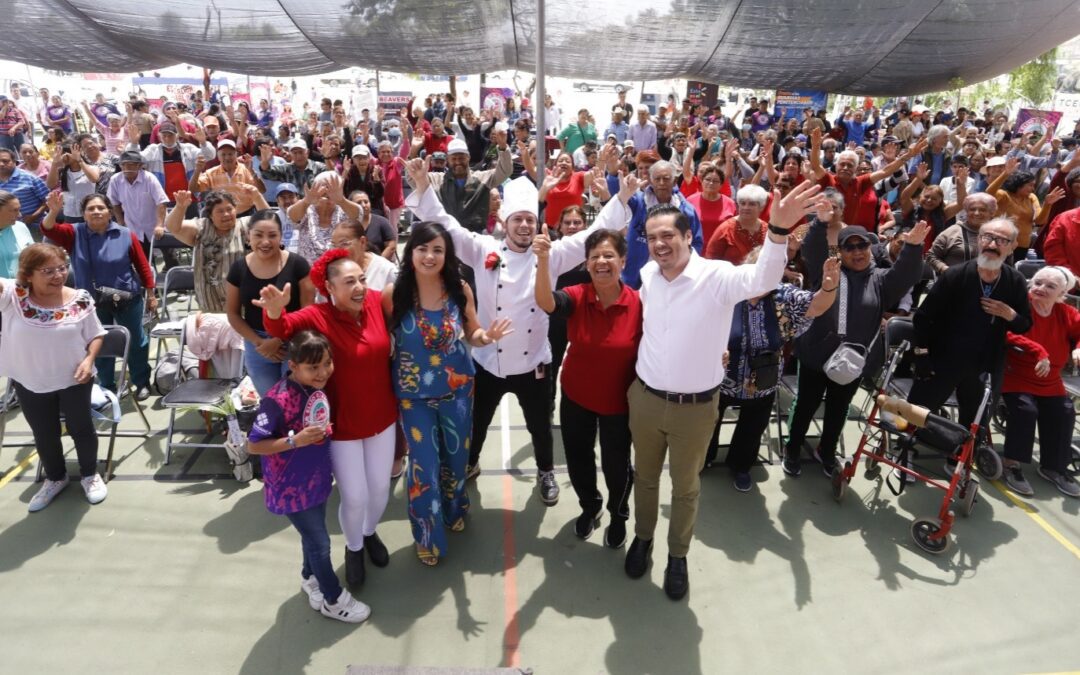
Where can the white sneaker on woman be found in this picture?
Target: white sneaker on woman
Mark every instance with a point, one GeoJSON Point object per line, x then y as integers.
{"type": "Point", "coordinates": [310, 586]}
{"type": "Point", "coordinates": [47, 493]}
{"type": "Point", "coordinates": [95, 489]}
{"type": "Point", "coordinates": [347, 609]}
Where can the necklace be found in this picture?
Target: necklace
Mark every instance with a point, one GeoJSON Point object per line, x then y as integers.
{"type": "Point", "coordinates": [440, 337]}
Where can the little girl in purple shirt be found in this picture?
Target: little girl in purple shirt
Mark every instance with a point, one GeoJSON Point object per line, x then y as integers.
{"type": "Point", "coordinates": [292, 433]}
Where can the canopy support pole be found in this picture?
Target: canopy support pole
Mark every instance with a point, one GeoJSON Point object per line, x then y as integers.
{"type": "Point", "coordinates": [538, 97]}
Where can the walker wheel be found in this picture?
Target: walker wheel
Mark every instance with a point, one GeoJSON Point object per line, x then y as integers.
{"type": "Point", "coordinates": [839, 481]}
{"type": "Point", "coordinates": [873, 470]}
{"type": "Point", "coordinates": [1074, 463]}
{"type": "Point", "coordinates": [921, 531]}
{"type": "Point", "coordinates": [988, 462]}
{"type": "Point", "coordinates": [969, 497]}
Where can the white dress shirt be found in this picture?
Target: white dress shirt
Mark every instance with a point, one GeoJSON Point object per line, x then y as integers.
{"type": "Point", "coordinates": [508, 291]}
{"type": "Point", "coordinates": [688, 319]}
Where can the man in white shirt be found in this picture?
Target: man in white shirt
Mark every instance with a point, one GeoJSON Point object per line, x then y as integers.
{"type": "Point", "coordinates": [505, 288]}
{"type": "Point", "coordinates": [948, 184]}
{"type": "Point", "coordinates": [643, 131]}
{"type": "Point", "coordinates": [138, 200]}
{"type": "Point", "coordinates": [688, 304]}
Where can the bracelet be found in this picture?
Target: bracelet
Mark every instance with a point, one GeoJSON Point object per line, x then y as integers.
{"type": "Point", "coordinates": [291, 439]}
{"type": "Point", "coordinates": [779, 231]}
{"type": "Point", "coordinates": [828, 290]}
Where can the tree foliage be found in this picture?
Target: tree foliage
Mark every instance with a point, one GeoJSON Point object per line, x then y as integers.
{"type": "Point", "coordinates": [1035, 79]}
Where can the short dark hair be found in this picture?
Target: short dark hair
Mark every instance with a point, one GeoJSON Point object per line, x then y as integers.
{"type": "Point", "coordinates": [960, 159]}
{"type": "Point", "coordinates": [1017, 180]}
{"type": "Point", "coordinates": [600, 236]}
{"type": "Point", "coordinates": [265, 214]}
{"type": "Point", "coordinates": [682, 222]}
{"type": "Point", "coordinates": [91, 197]}
{"type": "Point", "coordinates": [310, 347]}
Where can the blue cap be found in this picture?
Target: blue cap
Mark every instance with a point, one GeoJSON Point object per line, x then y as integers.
{"type": "Point", "coordinates": [286, 187]}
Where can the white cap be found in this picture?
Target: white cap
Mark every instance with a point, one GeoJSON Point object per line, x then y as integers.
{"type": "Point", "coordinates": [519, 195]}
{"type": "Point", "coordinates": [296, 143]}
{"type": "Point", "coordinates": [226, 143]}
{"type": "Point", "coordinates": [502, 126]}
{"type": "Point", "coordinates": [361, 150]}
{"type": "Point", "coordinates": [457, 146]}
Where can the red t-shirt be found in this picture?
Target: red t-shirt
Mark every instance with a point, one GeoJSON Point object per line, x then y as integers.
{"type": "Point", "coordinates": [732, 243]}
{"type": "Point", "coordinates": [176, 177]}
{"type": "Point", "coordinates": [434, 143]}
{"type": "Point", "coordinates": [599, 364]}
{"type": "Point", "coordinates": [860, 200]}
{"type": "Point", "coordinates": [362, 399]}
{"type": "Point", "coordinates": [1053, 336]}
{"type": "Point", "coordinates": [569, 193]}
{"type": "Point", "coordinates": [712, 213]}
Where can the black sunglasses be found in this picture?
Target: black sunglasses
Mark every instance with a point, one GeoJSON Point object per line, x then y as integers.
{"type": "Point", "coordinates": [858, 246]}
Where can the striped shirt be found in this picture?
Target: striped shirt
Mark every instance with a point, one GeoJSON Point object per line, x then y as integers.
{"type": "Point", "coordinates": [29, 189]}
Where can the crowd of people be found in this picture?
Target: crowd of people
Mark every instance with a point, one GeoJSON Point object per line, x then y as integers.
{"type": "Point", "coordinates": [762, 242]}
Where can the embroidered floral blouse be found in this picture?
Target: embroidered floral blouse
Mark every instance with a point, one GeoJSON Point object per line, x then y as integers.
{"type": "Point", "coordinates": [42, 346]}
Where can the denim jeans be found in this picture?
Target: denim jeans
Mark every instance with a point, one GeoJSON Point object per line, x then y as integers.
{"type": "Point", "coordinates": [129, 316]}
{"type": "Point", "coordinates": [264, 373]}
{"type": "Point", "coordinates": [315, 543]}
{"type": "Point", "coordinates": [12, 142]}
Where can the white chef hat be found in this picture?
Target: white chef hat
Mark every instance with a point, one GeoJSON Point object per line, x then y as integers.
{"type": "Point", "coordinates": [519, 195]}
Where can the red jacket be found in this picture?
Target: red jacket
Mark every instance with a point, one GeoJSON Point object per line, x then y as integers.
{"type": "Point", "coordinates": [1062, 243]}
{"type": "Point", "coordinates": [362, 401]}
{"type": "Point", "coordinates": [1050, 337]}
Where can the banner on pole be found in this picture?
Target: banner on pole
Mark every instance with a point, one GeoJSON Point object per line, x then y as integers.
{"type": "Point", "coordinates": [1043, 121]}
{"type": "Point", "coordinates": [702, 93]}
{"type": "Point", "coordinates": [495, 98]}
{"type": "Point", "coordinates": [394, 101]}
{"type": "Point", "coordinates": [790, 103]}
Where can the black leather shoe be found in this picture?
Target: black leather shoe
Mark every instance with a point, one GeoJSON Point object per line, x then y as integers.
{"type": "Point", "coordinates": [380, 557]}
{"type": "Point", "coordinates": [638, 557]}
{"type": "Point", "coordinates": [354, 567]}
{"type": "Point", "coordinates": [676, 578]}
{"type": "Point", "coordinates": [142, 393]}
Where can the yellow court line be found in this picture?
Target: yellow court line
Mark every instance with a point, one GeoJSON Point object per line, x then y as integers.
{"type": "Point", "coordinates": [1039, 520]}
{"type": "Point", "coordinates": [19, 468]}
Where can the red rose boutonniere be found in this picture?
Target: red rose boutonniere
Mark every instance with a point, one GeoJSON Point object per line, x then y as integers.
{"type": "Point", "coordinates": [492, 261]}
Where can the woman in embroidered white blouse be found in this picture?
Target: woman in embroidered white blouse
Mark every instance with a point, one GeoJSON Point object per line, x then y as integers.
{"type": "Point", "coordinates": [51, 335]}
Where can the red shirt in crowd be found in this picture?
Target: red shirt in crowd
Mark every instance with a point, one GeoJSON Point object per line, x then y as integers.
{"type": "Point", "coordinates": [1052, 337]}
{"type": "Point", "coordinates": [712, 213]}
{"type": "Point", "coordinates": [860, 200]}
{"type": "Point", "coordinates": [599, 364]}
{"type": "Point", "coordinates": [1061, 246]}
{"type": "Point", "coordinates": [362, 399]}
{"type": "Point", "coordinates": [433, 143]}
{"type": "Point", "coordinates": [732, 243]}
{"type": "Point", "coordinates": [566, 193]}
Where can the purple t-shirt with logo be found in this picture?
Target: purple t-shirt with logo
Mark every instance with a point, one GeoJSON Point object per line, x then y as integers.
{"type": "Point", "coordinates": [294, 480]}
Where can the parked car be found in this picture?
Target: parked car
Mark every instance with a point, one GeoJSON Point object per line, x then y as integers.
{"type": "Point", "coordinates": [600, 86]}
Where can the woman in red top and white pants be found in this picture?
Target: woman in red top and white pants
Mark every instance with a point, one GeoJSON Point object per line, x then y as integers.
{"type": "Point", "coordinates": [1033, 391]}
{"type": "Point", "coordinates": [363, 407]}
{"type": "Point", "coordinates": [604, 325]}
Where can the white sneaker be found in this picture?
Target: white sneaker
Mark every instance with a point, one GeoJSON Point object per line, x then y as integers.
{"type": "Point", "coordinates": [310, 586]}
{"type": "Point", "coordinates": [347, 609]}
{"type": "Point", "coordinates": [47, 493]}
{"type": "Point", "coordinates": [94, 487]}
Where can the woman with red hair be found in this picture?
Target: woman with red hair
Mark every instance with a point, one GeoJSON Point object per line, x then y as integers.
{"type": "Point", "coordinates": [362, 402]}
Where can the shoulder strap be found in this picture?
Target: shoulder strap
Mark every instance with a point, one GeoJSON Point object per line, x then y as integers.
{"type": "Point", "coordinates": [842, 327]}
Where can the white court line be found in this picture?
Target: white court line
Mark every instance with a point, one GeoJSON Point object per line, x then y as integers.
{"type": "Point", "coordinates": [504, 433]}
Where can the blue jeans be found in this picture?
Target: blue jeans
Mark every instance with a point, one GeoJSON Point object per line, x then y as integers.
{"type": "Point", "coordinates": [315, 543]}
{"type": "Point", "coordinates": [129, 316]}
{"type": "Point", "coordinates": [12, 142]}
{"type": "Point", "coordinates": [264, 373]}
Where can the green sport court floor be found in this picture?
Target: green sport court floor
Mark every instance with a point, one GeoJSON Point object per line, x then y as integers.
{"type": "Point", "coordinates": [182, 570]}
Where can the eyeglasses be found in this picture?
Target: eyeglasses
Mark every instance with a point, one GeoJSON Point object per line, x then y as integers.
{"type": "Point", "coordinates": [711, 179]}
{"type": "Point", "coordinates": [343, 244]}
{"type": "Point", "coordinates": [988, 238]}
{"type": "Point", "coordinates": [50, 271]}
{"type": "Point", "coordinates": [855, 246]}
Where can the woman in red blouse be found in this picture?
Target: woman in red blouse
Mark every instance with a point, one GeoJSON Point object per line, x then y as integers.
{"type": "Point", "coordinates": [604, 324]}
{"type": "Point", "coordinates": [362, 402]}
{"type": "Point", "coordinates": [737, 236]}
{"type": "Point", "coordinates": [712, 206]}
{"type": "Point", "coordinates": [562, 187]}
{"type": "Point", "coordinates": [1033, 391]}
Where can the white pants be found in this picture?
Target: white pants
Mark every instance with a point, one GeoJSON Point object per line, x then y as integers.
{"type": "Point", "coordinates": [362, 471]}
{"type": "Point", "coordinates": [394, 216]}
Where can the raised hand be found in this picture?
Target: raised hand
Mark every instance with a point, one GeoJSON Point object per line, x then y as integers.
{"type": "Point", "coordinates": [273, 301]}
{"type": "Point", "coordinates": [542, 243]}
{"type": "Point", "coordinates": [265, 153]}
{"type": "Point", "coordinates": [629, 184]}
{"type": "Point", "coordinates": [1012, 164]}
{"type": "Point", "coordinates": [183, 199]}
{"type": "Point", "coordinates": [1055, 195]}
{"type": "Point", "coordinates": [922, 172]}
{"type": "Point", "coordinates": [788, 210]}
{"type": "Point", "coordinates": [499, 329]}
{"type": "Point", "coordinates": [133, 133]}
{"type": "Point", "coordinates": [830, 275]}
{"type": "Point", "coordinates": [917, 234]}
{"type": "Point", "coordinates": [55, 201]}
{"type": "Point", "coordinates": [417, 171]}
{"type": "Point", "coordinates": [598, 185]}
{"type": "Point", "coordinates": [200, 164]}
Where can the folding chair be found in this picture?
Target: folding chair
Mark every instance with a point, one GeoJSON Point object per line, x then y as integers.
{"type": "Point", "coordinates": [208, 395]}
{"type": "Point", "coordinates": [897, 330]}
{"type": "Point", "coordinates": [114, 345]}
{"type": "Point", "coordinates": [768, 457]}
{"type": "Point", "coordinates": [177, 280]}
{"type": "Point", "coordinates": [169, 242]}
{"type": "Point", "coordinates": [789, 388]}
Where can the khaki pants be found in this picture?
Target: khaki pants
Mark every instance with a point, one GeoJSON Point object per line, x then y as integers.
{"type": "Point", "coordinates": [658, 426]}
